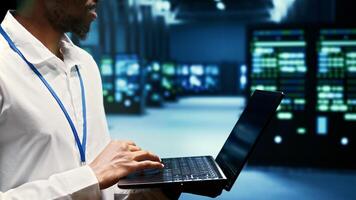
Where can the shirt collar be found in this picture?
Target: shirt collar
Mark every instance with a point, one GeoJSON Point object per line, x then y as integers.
{"type": "Point", "coordinates": [70, 52]}
{"type": "Point", "coordinates": [34, 51]}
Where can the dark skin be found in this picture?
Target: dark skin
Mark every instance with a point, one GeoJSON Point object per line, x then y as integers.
{"type": "Point", "coordinates": [119, 158]}
{"type": "Point", "coordinates": [48, 20]}
{"type": "Point", "coordinates": [31, 17]}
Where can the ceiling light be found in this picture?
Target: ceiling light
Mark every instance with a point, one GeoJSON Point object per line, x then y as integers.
{"type": "Point", "coordinates": [344, 141]}
{"type": "Point", "coordinates": [278, 139]}
{"type": "Point", "coordinates": [280, 9]}
{"type": "Point", "coordinates": [220, 6]}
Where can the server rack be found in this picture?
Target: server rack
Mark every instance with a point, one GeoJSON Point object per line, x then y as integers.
{"type": "Point", "coordinates": [212, 82]}
{"type": "Point", "coordinates": [153, 87]}
{"type": "Point", "coordinates": [196, 78]}
{"type": "Point", "coordinates": [106, 67]}
{"type": "Point", "coordinates": [169, 85]}
{"type": "Point", "coordinates": [314, 66]}
{"type": "Point", "coordinates": [129, 87]}
{"type": "Point", "coordinates": [183, 85]}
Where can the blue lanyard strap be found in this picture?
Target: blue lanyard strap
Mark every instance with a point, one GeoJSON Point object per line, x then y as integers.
{"type": "Point", "coordinates": [81, 145]}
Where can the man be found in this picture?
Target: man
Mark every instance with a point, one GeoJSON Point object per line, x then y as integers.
{"type": "Point", "coordinates": [54, 141]}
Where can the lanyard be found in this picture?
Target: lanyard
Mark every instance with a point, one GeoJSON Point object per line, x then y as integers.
{"type": "Point", "coordinates": [81, 145]}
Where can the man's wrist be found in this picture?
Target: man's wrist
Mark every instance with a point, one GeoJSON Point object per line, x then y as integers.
{"type": "Point", "coordinates": [81, 179]}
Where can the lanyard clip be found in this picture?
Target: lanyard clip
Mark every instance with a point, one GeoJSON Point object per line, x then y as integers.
{"type": "Point", "coordinates": [83, 163]}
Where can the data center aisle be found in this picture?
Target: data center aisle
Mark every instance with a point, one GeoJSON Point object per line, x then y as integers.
{"type": "Point", "coordinates": [200, 125]}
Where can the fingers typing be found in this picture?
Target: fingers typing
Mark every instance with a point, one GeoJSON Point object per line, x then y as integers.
{"type": "Point", "coordinates": [145, 155]}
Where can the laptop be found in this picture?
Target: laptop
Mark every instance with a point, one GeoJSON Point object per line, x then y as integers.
{"type": "Point", "coordinates": [224, 170]}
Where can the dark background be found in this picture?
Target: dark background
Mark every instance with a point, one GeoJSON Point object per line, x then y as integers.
{"type": "Point", "coordinates": [209, 35]}
{"type": "Point", "coordinates": [229, 27]}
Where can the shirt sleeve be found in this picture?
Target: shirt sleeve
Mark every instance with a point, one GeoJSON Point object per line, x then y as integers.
{"type": "Point", "coordinates": [3, 94]}
{"type": "Point", "coordinates": [1, 99]}
{"type": "Point", "coordinates": [80, 183]}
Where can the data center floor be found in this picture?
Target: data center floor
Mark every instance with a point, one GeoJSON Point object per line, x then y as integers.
{"type": "Point", "coordinates": [200, 125]}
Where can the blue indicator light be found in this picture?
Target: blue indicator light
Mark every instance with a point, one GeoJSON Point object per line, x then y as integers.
{"type": "Point", "coordinates": [322, 125]}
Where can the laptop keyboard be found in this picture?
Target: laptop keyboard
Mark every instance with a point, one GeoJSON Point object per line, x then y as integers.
{"type": "Point", "coordinates": [189, 169]}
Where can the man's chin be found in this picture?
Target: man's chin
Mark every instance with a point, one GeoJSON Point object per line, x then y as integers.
{"type": "Point", "coordinates": [82, 36]}
{"type": "Point", "coordinates": [81, 33]}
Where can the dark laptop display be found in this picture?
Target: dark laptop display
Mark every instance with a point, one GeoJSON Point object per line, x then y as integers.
{"type": "Point", "coordinates": [222, 172]}
{"type": "Point", "coordinates": [256, 116]}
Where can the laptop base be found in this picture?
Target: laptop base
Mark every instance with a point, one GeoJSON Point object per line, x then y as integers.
{"type": "Point", "coordinates": [183, 172]}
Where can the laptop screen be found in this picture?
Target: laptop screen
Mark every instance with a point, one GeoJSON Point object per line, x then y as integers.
{"type": "Point", "coordinates": [242, 139]}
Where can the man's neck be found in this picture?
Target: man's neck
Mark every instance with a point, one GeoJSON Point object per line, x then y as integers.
{"type": "Point", "coordinates": [36, 23]}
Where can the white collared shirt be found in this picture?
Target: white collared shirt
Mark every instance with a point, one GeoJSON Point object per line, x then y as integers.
{"type": "Point", "coordinates": [39, 158]}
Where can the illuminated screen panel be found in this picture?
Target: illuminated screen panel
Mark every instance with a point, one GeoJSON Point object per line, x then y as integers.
{"type": "Point", "coordinates": [336, 85]}
{"type": "Point", "coordinates": [168, 69]}
{"type": "Point", "coordinates": [107, 73]}
{"type": "Point", "coordinates": [202, 79]}
{"type": "Point", "coordinates": [196, 78]}
{"type": "Point", "coordinates": [121, 82]}
{"type": "Point", "coordinates": [169, 76]}
{"type": "Point", "coordinates": [278, 62]}
{"type": "Point", "coordinates": [128, 88]}
{"type": "Point", "coordinates": [183, 78]}
{"type": "Point", "coordinates": [212, 78]}
{"type": "Point", "coordinates": [153, 85]}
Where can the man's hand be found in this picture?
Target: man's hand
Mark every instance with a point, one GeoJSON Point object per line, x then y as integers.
{"type": "Point", "coordinates": [119, 159]}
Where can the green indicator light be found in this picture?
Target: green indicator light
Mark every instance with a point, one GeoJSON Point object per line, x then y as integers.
{"type": "Point", "coordinates": [350, 116]}
{"type": "Point", "coordinates": [302, 69]}
{"type": "Point", "coordinates": [341, 102]}
{"type": "Point", "coordinates": [285, 116]}
{"type": "Point", "coordinates": [351, 55]}
{"type": "Point", "coordinates": [323, 108]}
{"type": "Point", "coordinates": [340, 89]}
{"type": "Point", "coordinates": [262, 87]}
{"type": "Point", "coordinates": [299, 101]}
{"type": "Point", "coordinates": [338, 108]}
{"type": "Point", "coordinates": [110, 99]}
{"type": "Point", "coordinates": [107, 61]}
{"type": "Point", "coordinates": [326, 88]}
{"type": "Point", "coordinates": [339, 43]}
{"type": "Point", "coordinates": [301, 131]}
{"type": "Point", "coordinates": [280, 44]}
{"type": "Point", "coordinates": [352, 69]}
